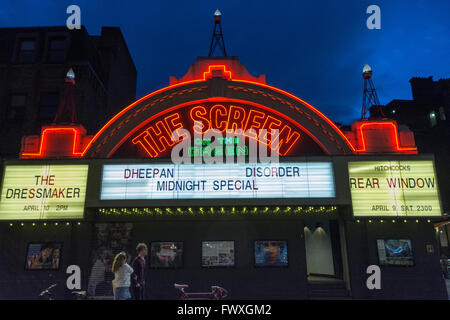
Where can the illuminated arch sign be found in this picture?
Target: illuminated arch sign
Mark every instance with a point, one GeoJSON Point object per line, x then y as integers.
{"type": "Point", "coordinates": [153, 138]}
{"type": "Point", "coordinates": [227, 99]}
{"type": "Point", "coordinates": [225, 104]}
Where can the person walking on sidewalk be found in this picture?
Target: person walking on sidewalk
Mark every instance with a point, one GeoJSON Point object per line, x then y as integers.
{"type": "Point", "coordinates": [122, 277]}
{"type": "Point", "coordinates": [138, 277]}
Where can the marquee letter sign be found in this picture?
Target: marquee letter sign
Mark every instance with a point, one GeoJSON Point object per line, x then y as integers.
{"type": "Point", "coordinates": [394, 188]}
{"type": "Point", "coordinates": [38, 192]}
{"type": "Point", "coordinates": [217, 181]}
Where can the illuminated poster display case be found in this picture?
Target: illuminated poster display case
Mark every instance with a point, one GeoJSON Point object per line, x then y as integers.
{"type": "Point", "coordinates": [271, 253]}
{"type": "Point", "coordinates": [395, 252]}
{"type": "Point", "coordinates": [166, 254]}
{"type": "Point", "coordinates": [43, 256]}
{"type": "Point", "coordinates": [218, 254]}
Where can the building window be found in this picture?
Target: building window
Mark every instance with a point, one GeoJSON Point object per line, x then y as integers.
{"type": "Point", "coordinates": [17, 105]}
{"type": "Point", "coordinates": [433, 120]}
{"type": "Point", "coordinates": [442, 115]}
{"type": "Point", "coordinates": [26, 52]}
{"type": "Point", "coordinates": [48, 105]}
{"type": "Point", "coordinates": [57, 49]}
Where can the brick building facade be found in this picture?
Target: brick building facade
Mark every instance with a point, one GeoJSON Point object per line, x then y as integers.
{"type": "Point", "coordinates": [33, 65]}
{"type": "Point", "coordinates": [427, 116]}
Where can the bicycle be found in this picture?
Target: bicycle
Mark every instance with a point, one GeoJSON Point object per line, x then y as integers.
{"type": "Point", "coordinates": [48, 294]}
{"type": "Point", "coordinates": [79, 295]}
{"type": "Point", "coordinates": [216, 293]}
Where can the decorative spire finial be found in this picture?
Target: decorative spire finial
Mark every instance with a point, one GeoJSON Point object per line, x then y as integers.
{"type": "Point", "coordinates": [217, 37]}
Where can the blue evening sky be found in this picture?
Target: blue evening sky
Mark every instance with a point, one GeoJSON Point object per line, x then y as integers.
{"type": "Point", "coordinates": [313, 49]}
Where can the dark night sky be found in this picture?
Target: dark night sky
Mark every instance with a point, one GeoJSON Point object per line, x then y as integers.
{"type": "Point", "coordinates": [313, 49]}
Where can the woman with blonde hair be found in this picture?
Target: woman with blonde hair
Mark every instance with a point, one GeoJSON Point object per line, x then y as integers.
{"type": "Point", "coordinates": [122, 274]}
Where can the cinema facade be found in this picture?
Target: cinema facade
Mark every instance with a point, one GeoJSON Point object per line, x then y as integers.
{"type": "Point", "coordinates": [306, 227]}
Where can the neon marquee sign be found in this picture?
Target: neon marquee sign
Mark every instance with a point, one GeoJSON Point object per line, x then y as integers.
{"type": "Point", "coordinates": [250, 104]}
{"type": "Point", "coordinates": [154, 138]}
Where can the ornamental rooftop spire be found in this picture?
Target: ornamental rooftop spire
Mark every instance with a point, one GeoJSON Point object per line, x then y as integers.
{"type": "Point", "coordinates": [217, 36]}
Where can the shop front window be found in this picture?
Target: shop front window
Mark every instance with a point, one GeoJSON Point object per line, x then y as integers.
{"type": "Point", "coordinates": [319, 253]}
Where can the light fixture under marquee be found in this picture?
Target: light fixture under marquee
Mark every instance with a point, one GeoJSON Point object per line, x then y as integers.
{"type": "Point", "coordinates": [230, 211]}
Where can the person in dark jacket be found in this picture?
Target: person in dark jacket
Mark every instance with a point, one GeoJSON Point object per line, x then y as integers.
{"type": "Point", "coordinates": [138, 276]}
